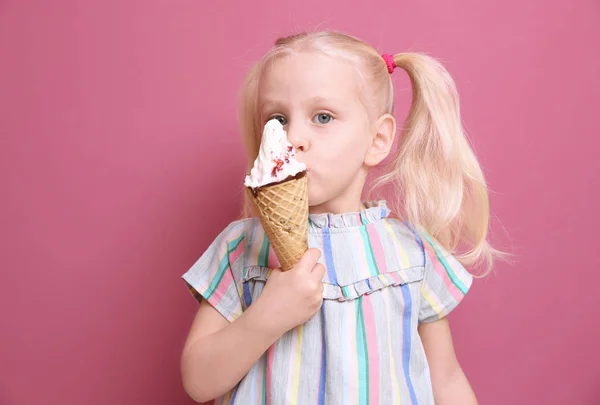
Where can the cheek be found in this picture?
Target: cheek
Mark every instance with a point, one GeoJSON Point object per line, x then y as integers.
{"type": "Point", "coordinates": [339, 156]}
{"type": "Point", "coordinates": [335, 162]}
{"type": "Point", "coordinates": [330, 179]}
{"type": "Point", "coordinates": [334, 170]}
{"type": "Point", "coordinates": [345, 158]}
{"type": "Point", "coordinates": [345, 145]}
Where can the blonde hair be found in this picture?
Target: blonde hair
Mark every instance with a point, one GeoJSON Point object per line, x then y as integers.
{"type": "Point", "coordinates": [438, 184]}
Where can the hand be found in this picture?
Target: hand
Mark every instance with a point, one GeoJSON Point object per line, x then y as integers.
{"type": "Point", "coordinates": [293, 297]}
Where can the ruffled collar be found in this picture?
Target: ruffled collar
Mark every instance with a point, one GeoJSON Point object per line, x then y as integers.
{"type": "Point", "coordinates": [375, 211]}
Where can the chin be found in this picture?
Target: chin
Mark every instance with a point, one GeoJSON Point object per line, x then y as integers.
{"type": "Point", "coordinates": [312, 202]}
{"type": "Point", "coordinates": [315, 200]}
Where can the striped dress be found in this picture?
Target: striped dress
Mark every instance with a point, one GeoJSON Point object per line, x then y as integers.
{"type": "Point", "coordinates": [382, 279]}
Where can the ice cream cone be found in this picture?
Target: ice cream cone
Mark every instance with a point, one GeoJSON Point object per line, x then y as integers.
{"type": "Point", "coordinates": [283, 212]}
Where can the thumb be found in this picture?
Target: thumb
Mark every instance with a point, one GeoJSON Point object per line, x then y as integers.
{"type": "Point", "coordinates": [308, 260]}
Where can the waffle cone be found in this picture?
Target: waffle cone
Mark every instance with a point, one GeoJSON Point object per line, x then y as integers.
{"type": "Point", "coordinates": [283, 211]}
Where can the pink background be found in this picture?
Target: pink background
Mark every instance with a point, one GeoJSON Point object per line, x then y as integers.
{"type": "Point", "coordinates": [114, 115]}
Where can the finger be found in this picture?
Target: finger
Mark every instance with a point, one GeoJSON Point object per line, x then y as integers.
{"type": "Point", "coordinates": [308, 260]}
{"type": "Point", "coordinates": [318, 272]}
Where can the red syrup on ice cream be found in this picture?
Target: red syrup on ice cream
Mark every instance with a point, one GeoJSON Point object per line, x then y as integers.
{"type": "Point", "coordinates": [277, 168]}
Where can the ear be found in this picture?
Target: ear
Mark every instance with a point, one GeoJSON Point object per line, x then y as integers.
{"type": "Point", "coordinates": [381, 140]}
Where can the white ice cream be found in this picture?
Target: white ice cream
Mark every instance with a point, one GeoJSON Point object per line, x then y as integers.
{"type": "Point", "coordinates": [276, 160]}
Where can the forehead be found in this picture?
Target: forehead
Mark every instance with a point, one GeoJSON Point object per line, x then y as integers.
{"type": "Point", "coordinates": [308, 75]}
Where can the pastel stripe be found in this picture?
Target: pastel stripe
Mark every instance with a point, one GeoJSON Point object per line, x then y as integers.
{"type": "Point", "coordinates": [352, 388]}
{"type": "Point", "coordinates": [397, 244]}
{"type": "Point", "coordinates": [396, 277]}
{"type": "Point", "coordinates": [346, 356]}
{"type": "Point", "coordinates": [363, 264]}
{"type": "Point", "coordinates": [259, 237]}
{"type": "Point", "coordinates": [269, 376]}
{"type": "Point", "coordinates": [454, 279]}
{"type": "Point", "coordinates": [327, 251]}
{"type": "Point", "coordinates": [362, 247]}
{"type": "Point", "coordinates": [406, 341]}
{"type": "Point", "coordinates": [221, 289]}
{"type": "Point", "coordinates": [253, 384]}
{"type": "Point", "coordinates": [240, 287]}
{"type": "Point", "coordinates": [223, 266]}
{"type": "Point", "coordinates": [458, 283]}
{"type": "Point", "coordinates": [372, 348]}
{"type": "Point", "coordinates": [433, 300]}
{"type": "Point", "coordinates": [377, 248]}
{"type": "Point", "coordinates": [362, 355]}
{"type": "Point", "coordinates": [323, 370]}
{"type": "Point", "coordinates": [297, 356]}
{"type": "Point", "coordinates": [452, 288]}
{"type": "Point", "coordinates": [264, 381]}
{"type": "Point", "coordinates": [233, 258]}
{"type": "Point", "coordinates": [247, 295]}
{"type": "Point", "coordinates": [291, 345]}
{"type": "Point", "coordinates": [237, 253]}
{"type": "Point", "coordinates": [263, 255]}
{"type": "Point", "coordinates": [391, 355]}
{"type": "Point", "coordinates": [373, 269]}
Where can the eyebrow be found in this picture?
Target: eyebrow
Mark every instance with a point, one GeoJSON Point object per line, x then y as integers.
{"type": "Point", "coordinates": [312, 100]}
{"type": "Point", "coordinates": [321, 99]}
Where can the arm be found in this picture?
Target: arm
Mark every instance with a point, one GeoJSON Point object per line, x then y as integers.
{"type": "Point", "coordinates": [208, 366]}
{"type": "Point", "coordinates": [450, 385]}
{"type": "Point", "coordinates": [217, 354]}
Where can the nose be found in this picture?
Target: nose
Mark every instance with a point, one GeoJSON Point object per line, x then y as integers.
{"type": "Point", "coordinates": [294, 134]}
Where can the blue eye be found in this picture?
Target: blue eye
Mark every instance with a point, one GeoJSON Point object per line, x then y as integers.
{"type": "Point", "coordinates": [323, 118]}
{"type": "Point", "coordinates": [280, 118]}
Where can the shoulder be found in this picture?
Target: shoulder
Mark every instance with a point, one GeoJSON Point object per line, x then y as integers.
{"type": "Point", "coordinates": [250, 230]}
{"type": "Point", "coordinates": [241, 229]}
{"type": "Point", "coordinates": [246, 239]}
{"type": "Point", "coordinates": [404, 232]}
{"type": "Point", "coordinates": [229, 249]}
{"type": "Point", "coordinates": [405, 239]}
{"type": "Point", "coordinates": [419, 245]}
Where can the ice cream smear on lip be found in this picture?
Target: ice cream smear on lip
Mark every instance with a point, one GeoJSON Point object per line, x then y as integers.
{"type": "Point", "coordinates": [276, 159]}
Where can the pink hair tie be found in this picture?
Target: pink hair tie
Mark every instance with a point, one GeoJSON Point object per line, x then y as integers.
{"type": "Point", "coordinates": [389, 61]}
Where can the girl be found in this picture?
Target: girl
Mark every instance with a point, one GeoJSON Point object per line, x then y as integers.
{"type": "Point", "coordinates": [361, 319]}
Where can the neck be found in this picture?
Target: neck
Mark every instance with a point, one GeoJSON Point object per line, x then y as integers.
{"type": "Point", "coordinates": [347, 201]}
{"type": "Point", "coordinates": [336, 207]}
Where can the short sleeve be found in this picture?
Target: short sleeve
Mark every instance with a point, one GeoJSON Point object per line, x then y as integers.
{"type": "Point", "coordinates": [212, 278]}
{"type": "Point", "coordinates": [445, 282]}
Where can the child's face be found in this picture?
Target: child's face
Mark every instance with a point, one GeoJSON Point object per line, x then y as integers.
{"type": "Point", "coordinates": [316, 99]}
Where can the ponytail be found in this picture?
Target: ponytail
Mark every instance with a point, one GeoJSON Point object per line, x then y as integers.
{"type": "Point", "coordinates": [438, 181]}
